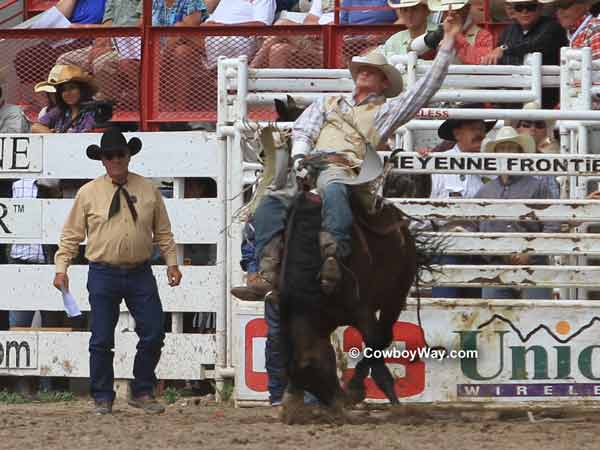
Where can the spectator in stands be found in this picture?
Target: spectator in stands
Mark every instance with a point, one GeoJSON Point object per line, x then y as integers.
{"type": "Point", "coordinates": [12, 119]}
{"type": "Point", "coordinates": [321, 10]}
{"type": "Point", "coordinates": [82, 12]}
{"type": "Point", "coordinates": [413, 14]}
{"type": "Point", "coordinates": [366, 16]}
{"type": "Point", "coordinates": [35, 62]}
{"type": "Point", "coordinates": [468, 136]}
{"type": "Point", "coordinates": [364, 43]}
{"type": "Point", "coordinates": [257, 13]}
{"type": "Point", "coordinates": [525, 187]}
{"type": "Point", "coordinates": [472, 44]}
{"type": "Point", "coordinates": [28, 188]}
{"type": "Point", "coordinates": [112, 61]}
{"type": "Point", "coordinates": [542, 132]}
{"type": "Point", "coordinates": [583, 29]}
{"type": "Point", "coordinates": [531, 32]}
{"type": "Point", "coordinates": [178, 53]}
{"type": "Point", "coordinates": [73, 87]}
{"type": "Point", "coordinates": [297, 51]}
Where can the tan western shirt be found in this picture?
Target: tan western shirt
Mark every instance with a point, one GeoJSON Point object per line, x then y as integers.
{"type": "Point", "coordinates": [120, 240]}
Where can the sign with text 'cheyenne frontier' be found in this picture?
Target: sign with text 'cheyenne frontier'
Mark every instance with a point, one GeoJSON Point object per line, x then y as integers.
{"type": "Point", "coordinates": [523, 353]}
{"type": "Point", "coordinates": [489, 163]}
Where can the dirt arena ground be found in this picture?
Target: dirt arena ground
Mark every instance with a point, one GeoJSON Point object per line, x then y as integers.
{"type": "Point", "coordinates": [192, 424]}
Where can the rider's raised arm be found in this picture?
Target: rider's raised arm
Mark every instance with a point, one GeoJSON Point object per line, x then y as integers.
{"type": "Point", "coordinates": [401, 109]}
{"type": "Point", "coordinates": [307, 128]}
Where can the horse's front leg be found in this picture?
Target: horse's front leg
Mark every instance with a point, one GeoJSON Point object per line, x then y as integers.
{"type": "Point", "coordinates": [292, 404]}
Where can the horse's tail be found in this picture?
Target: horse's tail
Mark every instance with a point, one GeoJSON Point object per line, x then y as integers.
{"type": "Point", "coordinates": [428, 250]}
{"type": "Point", "coordinates": [300, 288]}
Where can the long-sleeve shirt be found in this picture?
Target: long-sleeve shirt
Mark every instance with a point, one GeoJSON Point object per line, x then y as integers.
{"type": "Point", "coordinates": [545, 36]}
{"type": "Point", "coordinates": [517, 187]}
{"type": "Point", "coordinates": [586, 33]}
{"type": "Point", "coordinates": [472, 53]}
{"type": "Point", "coordinates": [453, 185]}
{"type": "Point", "coordinates": [118, 240]}
{"type": "Point", "coordinates": [391, 115]}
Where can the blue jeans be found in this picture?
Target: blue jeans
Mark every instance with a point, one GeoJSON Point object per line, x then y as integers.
{"type": "Point", "coordinates": [107, 286]}
{"type": "Point", "coordinates": [455, 292]}
{"type": "Point", "coordinates": [271, 214]}
{"type": "Point", "coordinates": [273, 360]}
{"type": "Point", "coordinates": [538, 293]}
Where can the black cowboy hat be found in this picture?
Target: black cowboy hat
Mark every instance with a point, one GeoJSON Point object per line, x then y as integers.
{"type": "Point", "coordinates": [445, 131]}
{"type": "Point", "coordinates": [113, 140]}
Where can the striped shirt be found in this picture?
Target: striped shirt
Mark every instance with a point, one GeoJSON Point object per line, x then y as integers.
{"type": "Point", "coordinates": [589, 36]}
{"type": "Point", "coordinates": [31, 253]}
{"type": "Point", "coordinates": [391, 115]}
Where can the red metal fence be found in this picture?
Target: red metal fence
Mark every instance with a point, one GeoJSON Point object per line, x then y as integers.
{"type": "Point", "coordinates": [168, 74]}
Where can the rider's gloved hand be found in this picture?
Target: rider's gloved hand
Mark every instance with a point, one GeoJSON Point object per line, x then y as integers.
{"type": "Point", "coordinates": [299, 150]}
{"type": "Point", "coordinates": [298, 163]}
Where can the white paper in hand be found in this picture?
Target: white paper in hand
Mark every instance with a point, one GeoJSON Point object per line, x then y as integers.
{"type": "Point", "coordinates": [70, 303]}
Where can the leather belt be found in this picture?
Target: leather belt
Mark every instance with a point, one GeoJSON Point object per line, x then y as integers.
{"type": "Point", "coordinates": [122, 267]}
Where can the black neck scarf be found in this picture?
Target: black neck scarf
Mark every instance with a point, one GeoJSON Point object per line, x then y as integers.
{"type": "Point", "coordinates": [115, 204]}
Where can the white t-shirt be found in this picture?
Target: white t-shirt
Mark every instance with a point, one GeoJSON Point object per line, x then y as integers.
{"type": "Point", "coordinates": [449, 185]}
{"type": "Point", "coordinates": [317, 10]}
{"type": "Point", "coordinates": [239, 11]}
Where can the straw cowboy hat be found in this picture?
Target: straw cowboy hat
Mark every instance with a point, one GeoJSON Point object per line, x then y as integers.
{"type": "Point", "coordinates": [61, 74]}
{"type": "Point", "coordinates": [509, 134]}
{"type": "Point", "coordinates": [446, 5]}
{"type": "Point", "coordinates": [111, 141]}
{"type": "Point", "coordinates": [379, 61]}
{"type": "Point", "coordinates": [446, 129]}
{"type": "Point", "coordinates": [397, 4]}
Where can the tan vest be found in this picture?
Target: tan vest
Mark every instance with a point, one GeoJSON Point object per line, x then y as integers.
{"type": "Point", "coordinates": [341, 136]}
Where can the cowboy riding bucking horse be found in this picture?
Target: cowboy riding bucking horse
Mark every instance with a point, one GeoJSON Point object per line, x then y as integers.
{"type": "Point", "coordinates": [344, 133]}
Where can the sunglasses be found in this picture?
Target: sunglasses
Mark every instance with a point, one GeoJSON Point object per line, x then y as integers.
{"type": "Point", "coordinates": [538, 125]}
{"type": "Point", "coordinates": [529, 7]}
{"type": "Point", "coordinates": [118, 154]}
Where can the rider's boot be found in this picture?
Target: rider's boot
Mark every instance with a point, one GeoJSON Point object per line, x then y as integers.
{"type": "Point", "coordinates": [263, 285]}
{"type": "Point", "coordinates": [331, 272]}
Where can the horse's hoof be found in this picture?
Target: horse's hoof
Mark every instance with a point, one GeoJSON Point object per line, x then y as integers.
{"type": "Point", "coordinates": [355, 396]}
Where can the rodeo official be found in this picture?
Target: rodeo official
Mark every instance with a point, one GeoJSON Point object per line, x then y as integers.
{"type": "Point", "coordinates": [347, 132]}
{"type": "Point", "coordinates": [122, 215]}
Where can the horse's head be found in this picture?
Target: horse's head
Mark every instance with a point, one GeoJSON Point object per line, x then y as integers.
{"type": "Point", "coordinates": [287, 111]}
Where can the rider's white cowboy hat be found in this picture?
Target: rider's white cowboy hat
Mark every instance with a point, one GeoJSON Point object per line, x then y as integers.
{"type": "Point", "coordinates": [379, 61]}
{"type": "Point", "coordinates": [446, 5]}
{"type": "Point", "coordinates": [397, 4]}
{"type": "Point", "coordinates": [509, 134]}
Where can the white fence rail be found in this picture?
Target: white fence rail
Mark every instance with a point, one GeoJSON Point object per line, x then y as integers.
{"type": "Point", "coordinates": [175, 156]}
{"type": "Point", "coordinates": [213, 221]}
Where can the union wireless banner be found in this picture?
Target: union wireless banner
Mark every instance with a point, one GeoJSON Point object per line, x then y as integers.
{"type": "Point", "coordinates": [501, 351]}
